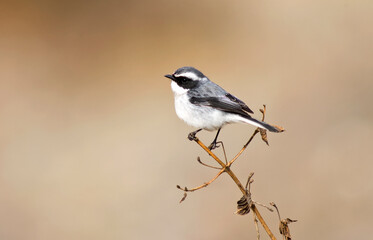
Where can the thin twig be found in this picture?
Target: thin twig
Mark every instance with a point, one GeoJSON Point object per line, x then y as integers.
{"type": "Point", "coordinates": [263, 205]}
{"type": "Point", "coordinates": [278, 212]}
{"type": "Point", "coordinates": [203, 185]}
{"type": "Point", "coordinates": [206, 165]}
{"type": "Point", "coordinates": [263, 111]}
{"type": "Point", "coordinates": [256, 227]}
{"type": "Point", "coordinates": [243, 148]}
{"type": "Point", "coordinates": [261, 220]}
{"type": "Point", "coordinates": [225, 155]}
{"type": "Point", "coordinates": [249, 181]}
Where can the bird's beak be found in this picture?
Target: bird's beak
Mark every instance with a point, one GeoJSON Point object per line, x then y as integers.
{"type": "Point", "coordinates": [170, 77]}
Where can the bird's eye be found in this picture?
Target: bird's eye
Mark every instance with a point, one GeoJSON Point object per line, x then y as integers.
{"type": "Point", "coordinates": [183, 79]}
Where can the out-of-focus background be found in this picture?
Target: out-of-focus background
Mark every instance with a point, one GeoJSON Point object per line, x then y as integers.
{"type": "Point", "coordinates": [91, 148]}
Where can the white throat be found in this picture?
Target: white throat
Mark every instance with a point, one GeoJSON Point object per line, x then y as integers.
{"type": "Point", "coordinates": [177, 89]}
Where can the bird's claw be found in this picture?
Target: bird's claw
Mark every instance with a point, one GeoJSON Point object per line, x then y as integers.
{"type": "Point", "coordinates": [213, 145]}
{"type": "Point", "coordinates": [192, 136]}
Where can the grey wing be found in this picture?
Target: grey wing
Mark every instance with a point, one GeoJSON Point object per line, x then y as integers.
{"type": "Point", "coordinates": [216, 97]}
{"type": "Point", "coordinates": [238, 101]}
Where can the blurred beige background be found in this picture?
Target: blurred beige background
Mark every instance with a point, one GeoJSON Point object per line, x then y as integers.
{"type": "Point", "coordinates": [91, 148]}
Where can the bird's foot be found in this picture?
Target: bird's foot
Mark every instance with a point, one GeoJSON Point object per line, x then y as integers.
{"type": "Point", "coordinates": [213, 145]}
{"type": "Point", "coordinates": [192, 135]}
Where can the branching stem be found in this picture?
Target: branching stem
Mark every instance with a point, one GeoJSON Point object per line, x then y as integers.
{"type": "Point", "coordinates": [226, 168]}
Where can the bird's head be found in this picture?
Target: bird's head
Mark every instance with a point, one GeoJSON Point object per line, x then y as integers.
{"type": "Point", "coordinates": [186, 78]}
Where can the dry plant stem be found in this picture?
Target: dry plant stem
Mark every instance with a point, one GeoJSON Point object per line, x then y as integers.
{"type": "Point", "coordinates": [256, 226]}
{"type": "Point", "coordinates": [226, 168]}
{"type": "Point", "coordinates": [278, 212]}
{"type": "Point", "coordinates": [225, 155]}
{"type": "Point", "coordinates": [261, 220]}
{"type": "Point", "coordinates": [206, 165]}
{"type": "Point", "coordinates": [263, 205]}
{"type": "Point", "coordinates": [244, 147]}
{"type": "Point", "coordinates": [203, 185]}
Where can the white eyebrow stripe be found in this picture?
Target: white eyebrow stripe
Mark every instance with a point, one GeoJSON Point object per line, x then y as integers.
{"type": "Point", "coordinates": [189, 75]}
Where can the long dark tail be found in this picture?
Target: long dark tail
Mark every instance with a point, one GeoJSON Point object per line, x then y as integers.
{"type": "Point", "coordinates": [261, 124]}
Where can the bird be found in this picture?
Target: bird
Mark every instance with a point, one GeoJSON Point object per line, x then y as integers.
{"type": "Point", "coordinates": [203, 104]}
